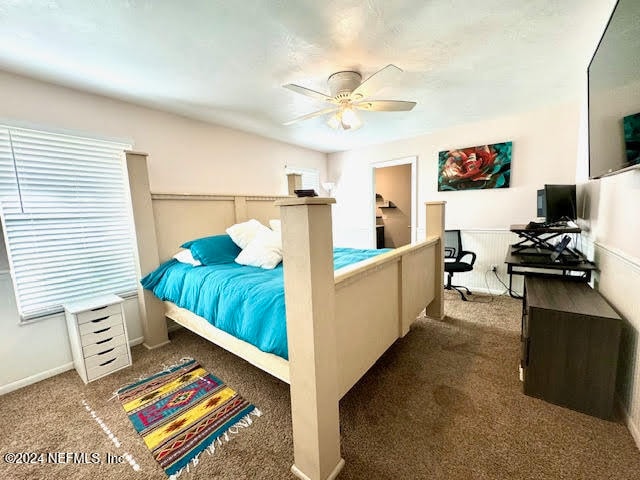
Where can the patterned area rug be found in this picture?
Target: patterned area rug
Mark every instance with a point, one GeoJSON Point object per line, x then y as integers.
{"type": "Point", "coordinates": [182, 411]}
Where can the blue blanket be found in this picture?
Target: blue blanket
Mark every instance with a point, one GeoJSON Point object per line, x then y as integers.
{"type": "Point", "coordinates": [247, 302]}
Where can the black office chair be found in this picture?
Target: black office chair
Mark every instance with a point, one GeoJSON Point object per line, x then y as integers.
{"type": "Point", "coordinates": [453, 255]}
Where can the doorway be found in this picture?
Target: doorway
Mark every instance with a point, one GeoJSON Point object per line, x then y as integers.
{"type": "Point", "coordinates": [394, 202]}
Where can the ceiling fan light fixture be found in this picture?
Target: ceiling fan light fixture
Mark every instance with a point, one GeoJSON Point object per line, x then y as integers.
{"type": "Point", "coordinates": [345, 119]}
{"type": "Point", "coordinates": [348, 93]}
{"type": "Point", "coordinates": [350, 120]}
{"type": "Point", "coordinates": [335, 121]}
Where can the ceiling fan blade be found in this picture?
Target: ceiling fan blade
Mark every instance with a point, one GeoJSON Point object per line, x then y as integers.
{"type": "Point", "coordinates": [311, 115]}
{"type": "Point", "coordinates": [385, 105]}
{"type": "Point", "coordinates": [309, 93]}
{"type": "Point", "coordinates": [375, 82]}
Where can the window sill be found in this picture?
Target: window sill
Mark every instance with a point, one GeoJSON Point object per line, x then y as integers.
{"type": "Point", "coordinates": [60, 314]}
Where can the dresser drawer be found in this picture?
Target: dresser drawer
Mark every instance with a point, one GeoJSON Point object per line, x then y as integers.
{"type": "Point", "coordinates": [103, 333]}
{"type": "Point", "coordinates": [97, 335]}
{"type": "Point", "coordinates": [102, 358]}
{"type": "Point", "coordinates": [108, 365]}
{"type": "Point", "coordinates": [102, 345]}
{"type": "Point", "coordinates": [97, 313]}
{"type": "Point", "coordinates": [99, 324]}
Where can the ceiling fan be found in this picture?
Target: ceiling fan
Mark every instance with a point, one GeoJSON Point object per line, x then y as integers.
{"type": "Point", "coordinates": [349, 93]}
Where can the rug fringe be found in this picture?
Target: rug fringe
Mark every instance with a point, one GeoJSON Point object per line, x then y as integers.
{"type": "Point", "coordinates": [244, 422]}
{"type": "Point", "coordinates": [165, 368]}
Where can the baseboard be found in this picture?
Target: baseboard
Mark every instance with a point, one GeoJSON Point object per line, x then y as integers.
{"type": "Point", "coordinates": [488, 291]}
{"type": "Point", "coordinates": [24, 382]}
{"type": "Point", "coordinates": [633, 429]}
{"type": "Point", "coordinates": [10, 387]}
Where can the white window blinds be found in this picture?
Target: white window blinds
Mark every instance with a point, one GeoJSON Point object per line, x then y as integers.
{"type": "Point", "coordinates": [66, 218]}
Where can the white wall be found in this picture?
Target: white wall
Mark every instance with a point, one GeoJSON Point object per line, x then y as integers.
{"type": "Point", "coordinates": [186, 156]}
{"type": "Point", "coordinates": [544, 151]}
{"type": "Point", "coordinates": [612, 223]}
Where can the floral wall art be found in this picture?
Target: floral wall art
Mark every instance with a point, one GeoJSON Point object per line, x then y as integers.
{"type": "Point", "coordinates": [631, 125]}
{"type": "Point", "coordinates": [473, 168]}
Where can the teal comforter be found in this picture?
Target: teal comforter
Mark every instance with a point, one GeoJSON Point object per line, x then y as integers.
{"type": "Point", "coordinates": [247, 302]}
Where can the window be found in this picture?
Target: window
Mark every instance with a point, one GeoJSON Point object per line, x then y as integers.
{"type": "Point", "coordinates": [310, 177]}
{"type": "Point", "coordinates": [65, 210]}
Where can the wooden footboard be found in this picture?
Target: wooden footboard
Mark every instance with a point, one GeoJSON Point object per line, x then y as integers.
{"type": "Point", "coordinates": [376, 302]}
{"type": "Point", "coordinates": [338, 325]}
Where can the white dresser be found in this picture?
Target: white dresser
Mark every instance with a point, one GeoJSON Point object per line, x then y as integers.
{"type": "Point", "coordinates": [98, 336]}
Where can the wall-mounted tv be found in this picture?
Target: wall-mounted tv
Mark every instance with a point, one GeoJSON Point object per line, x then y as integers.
{"type": "Point", "coordinates": [614, 94]}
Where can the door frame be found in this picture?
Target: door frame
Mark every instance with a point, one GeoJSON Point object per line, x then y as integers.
{"type": "Point", "coordinates": [413, 161]}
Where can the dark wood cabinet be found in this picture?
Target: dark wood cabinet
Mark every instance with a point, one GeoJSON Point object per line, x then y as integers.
{"type": "Point", "coordinates": [570, 340]}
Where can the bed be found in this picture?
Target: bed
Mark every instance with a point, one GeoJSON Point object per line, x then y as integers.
{"type": "Point", "coordinates": [338, 322]}
{"type": "Point", "coordinates": [246, 302]}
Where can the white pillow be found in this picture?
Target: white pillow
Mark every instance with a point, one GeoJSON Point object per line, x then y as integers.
{"type": "Point", "coordinates": [243, 233]}
{"type": "Point", "coordinates": [185, 256]}
{"type": "Point", "coordinates": [264, 251]}
{"type": "Point", "coordinates": [275, 225]}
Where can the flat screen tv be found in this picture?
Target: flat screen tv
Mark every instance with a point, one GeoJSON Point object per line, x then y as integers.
{"type": "Point", "coordinates": [614, 94]}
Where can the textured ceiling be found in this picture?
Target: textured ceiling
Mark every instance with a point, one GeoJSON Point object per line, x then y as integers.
{"type": "Point", "coordinates": [226, 61]}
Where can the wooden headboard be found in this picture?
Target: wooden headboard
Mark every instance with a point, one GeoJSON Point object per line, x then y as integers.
{"type": "Point", "coordinates": [182, 217]}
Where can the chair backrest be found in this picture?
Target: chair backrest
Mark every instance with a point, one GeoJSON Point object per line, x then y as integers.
{"type": "Point", "coordinates": [452, 243]}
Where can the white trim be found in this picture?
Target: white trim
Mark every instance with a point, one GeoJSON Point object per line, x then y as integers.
{"type": "Point", "coordinates": [485, 230]}
{"type": "Point", "coordinates": [38, 377]}
{"type": "Point", "coordinates": [413, 161]}
{"type": "Point", "coordinates": [332, 476]}
{"type": "Point", "coordinates": [632, 262]}
{"type": "Point", "coordinates": [490, 291]}
{"type": "Point", "coordinates": [136, 341]}
{"type": "Point", "coordinates": [10, 387]}
{"type": "Point", "coordinates": [633, 429]}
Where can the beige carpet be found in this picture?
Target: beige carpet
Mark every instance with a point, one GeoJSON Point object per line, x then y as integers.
{"type": "Point", "coordinates": [443, 403]}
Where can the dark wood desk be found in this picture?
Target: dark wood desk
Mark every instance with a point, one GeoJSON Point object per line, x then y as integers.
{"type": "Point", "coordinates": [515, 266]}
{"type": "Point", "coordinates": [570, 341]}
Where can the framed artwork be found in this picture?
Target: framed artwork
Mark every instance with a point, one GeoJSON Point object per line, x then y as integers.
{"type": "Point", "coordinates": [632, 138]}
{"type": "Point", "coordinates": [474, 168]}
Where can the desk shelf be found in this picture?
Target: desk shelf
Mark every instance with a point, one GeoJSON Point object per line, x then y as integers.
{"type": "Point", "coordinates": [576, 271]}
{"type": "Point", "coordinates": [539, 237]}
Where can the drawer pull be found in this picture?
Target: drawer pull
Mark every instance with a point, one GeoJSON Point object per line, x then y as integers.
{"type": "Point", "coordinates": [99, 308]}
{"type": "Point", "coordinates": [107, 362]}
{"type": "Point", "coordinates": [106, 351]}
{"type": "Point", "coordinates": [103, 330]}
{"type": "Point", "coordinates": [104, 341]}
{"type": "Point", "coordinates": [99, 319]}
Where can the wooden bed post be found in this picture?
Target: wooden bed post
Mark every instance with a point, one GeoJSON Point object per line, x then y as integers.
{"type": "Point", "coordinates": [435, 227]}
{"type": "Point", "coordinates": [311, 332]}
{"type": "Point", "coordinates": [294, 182]}
{"type": "Point", "coordinates": [154, 323]}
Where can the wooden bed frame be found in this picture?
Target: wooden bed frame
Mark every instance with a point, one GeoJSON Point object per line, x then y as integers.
{"type": "Point", "coordinates": [338, 323]}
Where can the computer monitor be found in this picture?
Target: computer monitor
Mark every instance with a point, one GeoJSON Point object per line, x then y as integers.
{"type": "Point", "coordinates": [542, 208]}
{"type": "Point", "coordinates": [560, 203]}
